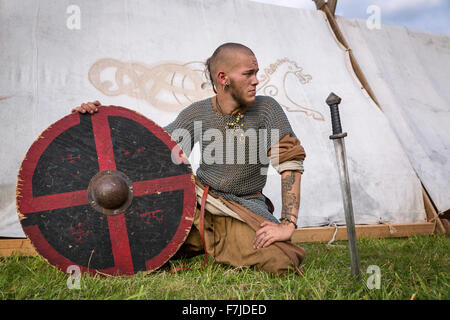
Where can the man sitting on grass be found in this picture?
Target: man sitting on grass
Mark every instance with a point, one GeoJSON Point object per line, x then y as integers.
{"type": "Point", "coordinates": [239, 227]}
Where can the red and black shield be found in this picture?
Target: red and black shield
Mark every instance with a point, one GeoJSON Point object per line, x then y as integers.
{"type": "Point", "coordinates": [105, 193]}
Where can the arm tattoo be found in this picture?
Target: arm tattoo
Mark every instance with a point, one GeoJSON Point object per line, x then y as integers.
{"type": "Point", "coordinates": [290, 200]}
{"type": "Point", "coordinates": [287, 183]}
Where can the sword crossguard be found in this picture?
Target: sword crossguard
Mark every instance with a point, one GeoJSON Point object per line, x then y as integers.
{"type": "Point", "coordinates": [333, 102]}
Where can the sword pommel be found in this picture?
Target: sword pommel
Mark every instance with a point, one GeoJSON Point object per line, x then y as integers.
{"type": "Point", "coordinates": [333, 101]}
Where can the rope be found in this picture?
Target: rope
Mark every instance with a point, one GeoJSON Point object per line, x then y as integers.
{"type": "Point", "coordinates": [333, 239]}
{"type": "Point", "coordinates": [392, 230]}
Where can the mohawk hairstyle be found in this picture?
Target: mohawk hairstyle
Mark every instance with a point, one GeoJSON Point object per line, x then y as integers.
{"type": "Point", "coordinates": [219, 53]}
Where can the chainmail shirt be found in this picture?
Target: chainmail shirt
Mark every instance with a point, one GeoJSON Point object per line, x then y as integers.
{"type": "Point", "coordinates": [233, 161]}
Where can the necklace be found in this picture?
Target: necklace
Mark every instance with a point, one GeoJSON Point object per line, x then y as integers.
{"type": "Point", "coordinates": [235, 125]}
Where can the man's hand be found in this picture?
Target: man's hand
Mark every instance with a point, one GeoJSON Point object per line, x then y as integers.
{"type": "Point", "coordinates": [89, 107]}
{"type": "Point", "coordinates": [290, 194]}
{"type": "Point", "coordinates": [271, 232]}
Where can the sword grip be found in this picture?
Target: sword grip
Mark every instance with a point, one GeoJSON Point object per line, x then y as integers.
{"type": "Point", "coordinates": [333, 102]}
{"type": "Point", "coordinates": [335, 119]}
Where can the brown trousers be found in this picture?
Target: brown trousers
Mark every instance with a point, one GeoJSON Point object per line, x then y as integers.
{"type": "Point", "coordinates": [230, 241]}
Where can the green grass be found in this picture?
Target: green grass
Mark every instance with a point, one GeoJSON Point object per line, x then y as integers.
{"type": "Point", "coordinates": [416, 267]}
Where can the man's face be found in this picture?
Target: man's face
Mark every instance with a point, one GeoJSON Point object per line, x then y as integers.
{"type": "Point", "coordinates": [243, 79]}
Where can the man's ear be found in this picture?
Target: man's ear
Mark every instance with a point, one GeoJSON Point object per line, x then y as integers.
{"type": "Point", "coordinates": [221, 77]}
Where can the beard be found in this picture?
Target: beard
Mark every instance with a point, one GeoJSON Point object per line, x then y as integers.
{"type": "Point", "coordinates": [238, 95]}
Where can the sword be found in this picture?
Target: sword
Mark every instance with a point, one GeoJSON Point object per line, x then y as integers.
{"type": "Point", "coordinates": [341, 158]}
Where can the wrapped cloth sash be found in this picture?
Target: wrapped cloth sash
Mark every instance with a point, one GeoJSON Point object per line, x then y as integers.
{"type": "Point", "coordinates": [287, 154]}
{"type": "Point", "coordinates": [215, 205]}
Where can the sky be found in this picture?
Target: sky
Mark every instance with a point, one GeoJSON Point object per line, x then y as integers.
{"type": "Point", "coordinates": [432, 16]}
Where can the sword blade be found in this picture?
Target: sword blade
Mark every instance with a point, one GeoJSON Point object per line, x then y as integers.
{"type": "Point", "coordinates": [341, 158]}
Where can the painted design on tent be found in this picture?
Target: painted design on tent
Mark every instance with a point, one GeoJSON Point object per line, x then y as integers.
{"type": "Point", "coordinates": [4, 98]}
{"type": "Point", "coordinates": [171, 86]}
{"type": "Point", "coordinates": [279, 72]}
{"type": "Point", "coordinates": [167, 86]}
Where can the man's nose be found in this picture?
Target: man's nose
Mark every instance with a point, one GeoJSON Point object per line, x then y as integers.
{"type": "Point", "coordinates": [255, 81]}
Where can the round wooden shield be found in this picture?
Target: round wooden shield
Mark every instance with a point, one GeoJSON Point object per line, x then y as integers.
{"type": "Point", "coordinates": [106, 193]}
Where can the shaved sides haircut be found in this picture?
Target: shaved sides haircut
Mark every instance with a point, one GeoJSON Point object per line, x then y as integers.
{"type": "Point", "coordinates": [222, 55]}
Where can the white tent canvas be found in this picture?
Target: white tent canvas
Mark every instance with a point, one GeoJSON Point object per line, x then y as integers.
{"type": "Point", "coordinates": [147, 56]}
{"type": "Point", "coordinates": [409, 73]}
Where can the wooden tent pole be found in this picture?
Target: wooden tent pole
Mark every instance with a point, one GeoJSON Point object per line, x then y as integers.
{"type": "Point", "coordinates": [329, 9]}
{"type": "Point", "coordinates": [323, 6]}
{"type": "Point", "coordinates": [431, 212]}
{"type": "Point", "coordinates": [332, 5]}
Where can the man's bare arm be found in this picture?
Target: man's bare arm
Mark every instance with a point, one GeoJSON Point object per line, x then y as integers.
{"type": "Point", "coordinates": [290, 196]}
